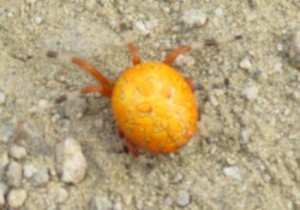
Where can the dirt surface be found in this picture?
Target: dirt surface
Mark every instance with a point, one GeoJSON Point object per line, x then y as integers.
{"type": "Point", "coordinates": [250, 103]}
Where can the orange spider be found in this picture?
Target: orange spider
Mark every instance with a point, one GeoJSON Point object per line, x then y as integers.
{"type": "Point", "coordinates": [153, 104]}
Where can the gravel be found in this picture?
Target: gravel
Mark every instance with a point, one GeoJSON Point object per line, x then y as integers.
{"type": "Point", "coordinates": [75, 106]}
{"type": "Point", "coordinates": [252, 124]}
{"type": "Point", "coordinates": [245, 135]}
{"type": "Point", "coordinates": [41, 177]}
{"type": "Point", "coordinates": [58, 194]}
{"type": "Point", "coordinates": [183, 198]}
{"type": "Point", "coordinates": [17, 152]}
{"type": "Point", "coordinates": [233, 172]}
{"type": "Point", "coordinates": [6, 132]}
{"type": "Point", "coordinates": [100, 203]}
{"type": "Point", "coordinates": [245, 64]}
{"type": "Point", "coordinates": [250, 93]}
{"type": "Point", "coordinates": [194, 18]}
{"type": "Point", "coordinates": [16, 197]}
{"type": "Point", "coordinates": [29, 170]}
{"type": "Point", "coordinates": [71, 162]}
{"type": "Point", "coordinates": [14, 174]}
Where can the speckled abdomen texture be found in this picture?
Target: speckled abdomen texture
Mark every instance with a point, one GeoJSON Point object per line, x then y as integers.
{"type": "Point", "coordinates": [155, 107]}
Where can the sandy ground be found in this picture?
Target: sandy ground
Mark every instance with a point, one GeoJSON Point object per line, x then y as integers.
{"type": "Point", "coordinates": [250, 103]}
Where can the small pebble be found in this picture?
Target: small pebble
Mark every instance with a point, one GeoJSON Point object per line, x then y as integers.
{"type": "Point", "coordinates": [219, 12]}
{"type": "Point", "coordinates": [75, 106]}
{"type": "Point", "coordinates": [183, 198]}
{"type": "Point", "coordinates": [43, 104]}
{"type": "Point", "coordinates": [91, 5]}
{"type": "Point", "coordinates": [100, 203]}
{"type": "Point", "coordinates": [41, 177]}
{"type": "Point", "coordinates": [194, 17]}
{"type": "Point", "coordinates": [294, 50]}
{"type": "Point", "coordinates": [296, 96]}
{"type": "Point", "coordinates": [16, 197]}
{"type": "Point", "coordinates": [14, 174]}
{"type": "Point", "coordinates": [29, 170]}
{"type": "Point", "coordinates": [58, 194]}
{"type": "Point", "coordinates": [3, 190]}
{"type": "Point", "coordinates": [280, 47]}
{"type": "Point", "coordinates": [118, 205]}
{"type": "Point", "coordinates": [17, 152]}
{"type": "Point", "coordinates": [6, 132]}
{"type": "Point", "coordinates": [139, 204]}
{"type": "Point", "coordinates": [245, 136]}
{"type": "Point", "coordinates": [213, 100]}
{"type": "Point", "coordinates": [233, 172]}
{"type": "Point", "coordinates": [250, 93]}
{"type": "Point", "coordinates": [245, 64]}
{"type": "Point", "coordinates": [278, 67]}
{"type": "Point", "coordinates": [38, 20]}
{"type": "Point", "coordinates": [185, 61]}
{"type": "Point", "coordinates": [2, 98]}
{"type": "Point", "coordinates": [256, 74]}
{"type": "Point", "coordinates": [71, 162]}
{"type": "Point", "coordinates": [146, 27]}
{"type": "Point", "coordinates": [168, 201]}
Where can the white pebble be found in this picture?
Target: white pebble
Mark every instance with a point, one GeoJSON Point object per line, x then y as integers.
{"type": "Point", "coordinates": [41, 177]}
{"type": "Point", "coordinates": [118, 206]}
{"type": "Point", "coordinates": [296, 96]}
{"type": "Point", "coordinates": [250, 93]}
{"type": "Point", "coordinates": [100, 203]}
{"type": "Point", "coordinates": [194, 17]}
{"type": "Point", "coordinates": [146, 27]}
{"type": "Point", "coordinates": [245, 136]}
{"type": "Point", "coordinates": [58, 194]}
{"type": "Point", "coordinates": [168, 201]}
{"type": "Point", "coordinates": [213, 100]}
{"type": "Point", "coordinates": [91, 5]}
{"type": "Point", "coordinates": [233, 172]}
{"type": "Point", "coordinates": [280, 47]}
{"type": "Point", "coordinates": [17, 152]}
{"type": "Point", "coordinates": [16, 197]}
{"type": "Point", "coordinates": [43, 104]}
{"type": "Point", "coordinates": [245, 64]}
{"type": "Point", "coordinates": [2, 97]}
{"type": "Point", "coordinates": [29, 170]}
{"type": "Point", "coordinates": [139, 204]}
{"type": "Point", "coordinates": [14, 174]}
{"type": "Point", "coordinates": [183, 198]}
{"type": "Point", "coordinates": [38, 20]}
{"type": "Point", "coordinates": [71, 162]}
{"type": "Point", "coordinates": [6, 132]}
{"type": "Point", "coordinates": [278, 67]}
{"type": "Point", "coordinates": [219, 12]}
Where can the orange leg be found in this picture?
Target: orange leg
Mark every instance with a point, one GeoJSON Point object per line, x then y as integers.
{"type": "Point", "coordinates": [135, 56]}
{"type": "Point", "coordinates": [106, 86]}
{"type": "Point", "coordinates": [190, 82]}
{"type": "Point", "coordinates": [132, 148]}
{"type": "Point", "coordinates": [173, 55]}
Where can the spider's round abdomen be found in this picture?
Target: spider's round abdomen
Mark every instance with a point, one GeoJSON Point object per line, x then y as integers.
{"type": "Point", "coordinates": [155, 107]}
